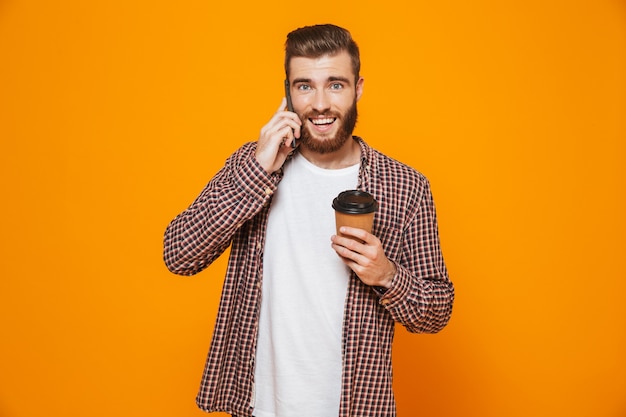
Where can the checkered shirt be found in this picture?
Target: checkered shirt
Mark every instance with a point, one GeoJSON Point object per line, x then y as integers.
{"type": "Point", "coordinates": [232, 211]}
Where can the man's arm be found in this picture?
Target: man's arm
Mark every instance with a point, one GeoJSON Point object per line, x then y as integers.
{"type": "Point", "coordinates": [201, 233]}
{"type": "Point", "coordinates": [415, 289]}
{"type": "Point", "coordinates": [421, 294]}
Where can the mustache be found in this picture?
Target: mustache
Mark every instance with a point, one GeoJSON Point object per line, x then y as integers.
{"type": "Point", "coordinates": [315, 113]}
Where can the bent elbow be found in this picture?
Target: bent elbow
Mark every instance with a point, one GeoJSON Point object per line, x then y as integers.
{"type": "Point", "coordinates": [180, 262]}
{"type": "Point", "coordinates": [435, 316]}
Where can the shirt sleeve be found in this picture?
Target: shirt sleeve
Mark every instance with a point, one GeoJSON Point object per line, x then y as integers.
{"type": "Point", "coordinates": [201, 233]}
{"type": "Point", "coordinates": [421, 294]}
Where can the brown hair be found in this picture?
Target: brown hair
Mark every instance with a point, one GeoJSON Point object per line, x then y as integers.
{"type": "Point", "coordinates": [316, 41]}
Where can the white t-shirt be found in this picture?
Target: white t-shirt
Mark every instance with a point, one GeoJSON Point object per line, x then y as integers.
{"type": "Point", "coordinates": [298, 360]}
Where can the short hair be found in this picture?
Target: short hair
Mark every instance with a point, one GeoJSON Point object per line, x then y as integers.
{"type": "Point", "coordinates": [319, 40]}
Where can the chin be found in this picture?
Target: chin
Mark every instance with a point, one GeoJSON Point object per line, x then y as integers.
{"type": "Point", "coordinates": [325, 145]}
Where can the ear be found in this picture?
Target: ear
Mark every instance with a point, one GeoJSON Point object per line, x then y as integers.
{"type": "Point", "coordinates": [359, 88]}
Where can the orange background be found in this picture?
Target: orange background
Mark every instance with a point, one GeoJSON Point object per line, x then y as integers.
{"type": "Point", "coordinates": [113, 116]}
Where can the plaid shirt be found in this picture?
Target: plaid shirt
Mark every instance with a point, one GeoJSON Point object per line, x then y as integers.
{"type": "Point", "coordinates": [233, 209]}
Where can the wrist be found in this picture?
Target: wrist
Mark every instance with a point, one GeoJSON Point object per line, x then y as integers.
{"type": "Point", "coordinates": [388, 277]}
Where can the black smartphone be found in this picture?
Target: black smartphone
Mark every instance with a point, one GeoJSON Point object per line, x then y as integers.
{"type": "Point", "coordinates": [289, 105]}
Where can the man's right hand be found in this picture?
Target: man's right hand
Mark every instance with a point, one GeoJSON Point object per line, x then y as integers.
{"type": "Point", "coordinates": [274, 144]}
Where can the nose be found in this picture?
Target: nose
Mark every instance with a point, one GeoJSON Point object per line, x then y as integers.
{"type": "Point", "coordinates": [321, 101]}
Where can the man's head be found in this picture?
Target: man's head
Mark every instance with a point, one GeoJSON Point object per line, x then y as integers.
{"type": "Point", "coordinates": [322, 65]}
{"type": "Point", "coordinates": [316, 41]}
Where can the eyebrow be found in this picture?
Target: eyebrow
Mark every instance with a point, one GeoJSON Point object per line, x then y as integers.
{"type": "Point", "coordinates": [343, 79]}
{"type": "Point", "coordinates": [329, 79]}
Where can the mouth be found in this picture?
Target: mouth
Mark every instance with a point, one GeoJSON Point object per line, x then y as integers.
{"type": "Point", "coordinates": [322, 123]}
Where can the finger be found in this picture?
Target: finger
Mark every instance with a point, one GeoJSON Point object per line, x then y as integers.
{"type": "Point", "coordinates": [360, 234]}
{"type": "Point", "coordinates": [342, 251]}
{"type": "Point", "coordinates": [285, 126]}
{"type": "Point", "coordinates": [297, 132]}
{"type": "Point", "coordinates": [348, 244]}
{"type": "Point", "coordinates": [283, 105]}
{"type": "Point", "coordinates": [282, 117]}
{"type": "Point", "coordinates": [348, 255]}
{"type": "Point", "coordinates": [287, 136]}
{"type": "Point", "coordinates": [281, 136]}
{"type": "Point", "coordinates": [277, 117]}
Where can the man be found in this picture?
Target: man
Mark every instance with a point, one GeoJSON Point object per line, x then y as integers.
{"type": "Point", "coordinates": [306, 319]}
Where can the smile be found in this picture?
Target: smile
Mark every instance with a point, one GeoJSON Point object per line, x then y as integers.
{"type": "Point", "coordinates": [322, 122]}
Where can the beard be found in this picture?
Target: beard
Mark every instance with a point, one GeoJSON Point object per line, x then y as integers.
{"type": "Point", "coordinates": [327, 145]}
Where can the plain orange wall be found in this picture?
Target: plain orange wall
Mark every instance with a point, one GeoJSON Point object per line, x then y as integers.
{"type": "Point", "coordinates": [113, 116]}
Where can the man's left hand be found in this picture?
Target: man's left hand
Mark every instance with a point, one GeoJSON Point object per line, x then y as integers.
{"type": "Point", "coordinates": [364, 256]}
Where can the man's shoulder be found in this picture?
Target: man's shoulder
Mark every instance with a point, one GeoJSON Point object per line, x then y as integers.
{"type": "Point", "coordinates": [389, 166]}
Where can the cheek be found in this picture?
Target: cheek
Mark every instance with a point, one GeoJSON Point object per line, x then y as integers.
{"type": "Point", "coordinates": [347, 99]}
{"type": "Point", "coordinates": [346, 104]}
{"type": "Point", "coordinates": [300, 104]}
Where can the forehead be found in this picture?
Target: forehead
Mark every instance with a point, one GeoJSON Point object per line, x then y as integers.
{"type": "Point", "coordinates": [322, 68]}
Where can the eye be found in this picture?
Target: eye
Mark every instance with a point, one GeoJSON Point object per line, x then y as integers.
{"type": "Point", "coordinates": [304, 87]}
{"type": "Point", "coordinates": [336, 86]}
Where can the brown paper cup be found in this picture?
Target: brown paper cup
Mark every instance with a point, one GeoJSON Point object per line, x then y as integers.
{"type": "Point", "coordinates": [360, 221]}
{"type": "Point", "coordinates": [355, 208]}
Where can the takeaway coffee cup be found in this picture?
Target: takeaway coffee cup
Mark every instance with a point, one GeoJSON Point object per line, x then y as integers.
{"type": "Point", "coordinates": [355, 208]}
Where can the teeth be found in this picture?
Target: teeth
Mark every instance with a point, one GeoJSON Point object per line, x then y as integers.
{"type": "Point", "coordinates": [322, 121]}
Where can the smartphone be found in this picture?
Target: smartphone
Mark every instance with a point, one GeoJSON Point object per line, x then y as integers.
{"type": "Point", "coordinates": [289, 106]}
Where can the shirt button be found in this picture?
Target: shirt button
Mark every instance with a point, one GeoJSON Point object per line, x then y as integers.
{"type": "Point", "coordinates": [268, 191]}
{"type": "Point", "coordinates": [384, 301]}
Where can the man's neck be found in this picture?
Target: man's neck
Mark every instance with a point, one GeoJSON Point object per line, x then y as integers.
{"type": "Point", "coordinates": [348, 155]}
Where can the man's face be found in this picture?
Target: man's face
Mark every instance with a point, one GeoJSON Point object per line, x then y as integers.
{"type": "Point", "coordinates": [324, 95]}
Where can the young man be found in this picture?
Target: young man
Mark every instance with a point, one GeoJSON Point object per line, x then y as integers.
{"type": "Point", "coordinates": [306, 319]}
